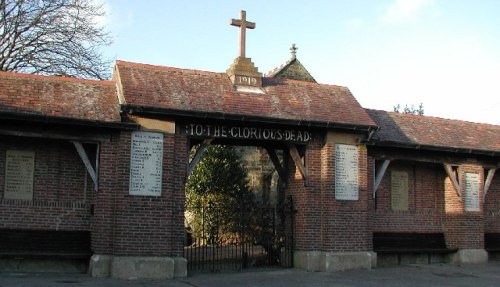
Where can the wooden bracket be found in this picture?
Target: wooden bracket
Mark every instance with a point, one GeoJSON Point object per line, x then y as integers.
{"type": "Point", "coordinates": [294, 153]}
{"type": "Point", "coordinates": [379, 176]}
{"type": "Point", "coordinates": [454, 180]}
{"type": "Point", "coordinates": [90, 169]}
{"type": "Point", "coordinates": [197, 157]}
{"type": "Point", "coordinates": [277, 164]}
{"type": "Point", "coordinates": [487, 182]}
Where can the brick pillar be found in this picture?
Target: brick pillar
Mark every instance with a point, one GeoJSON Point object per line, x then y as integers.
{"type": "Point", "coordinates": [307, 200]}
{"type": "Point", "coordinates": [103, 205]}
{"type": "Point", "coordinates": [464, 229]}
{"type": "Point", "coordinates": [102, 222]}
{"type": "Point", "coordinates": [344, 223]}
{"type": "Point", "coordinates": [139, 233]}
{"type": "Point", "coordinates": [152, 225]}
{"type": "Point", "coordinates": [331, 234]}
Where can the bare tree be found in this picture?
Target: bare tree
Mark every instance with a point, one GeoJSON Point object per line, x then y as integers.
{"type": "Point", "coordinates": [53, 37]}
{"type": "Point", "coordinates": [410, 110]}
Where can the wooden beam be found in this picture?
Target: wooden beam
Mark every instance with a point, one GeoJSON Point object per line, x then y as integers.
{"type": "Point", "coordinates": [83, 155]}
{"type": "Point", "coordinates": [277, 164]}
{"type": "Point", "coordinates": [167, 127]}
{"type": "Point", "coordinates": [70, 136]}
{"type": "Point", "coordinates": [437, 157]}
{"type": "Point", "coordinates": [379, 176]}
{"type": "Point", "coordinates": [453, 178]}
{"type": "Point", "coordinates": [487, 182]}
{"type": "Point", "coordinates": [197, 157]}
{"type": "Point", "coordinates": [298, 162]}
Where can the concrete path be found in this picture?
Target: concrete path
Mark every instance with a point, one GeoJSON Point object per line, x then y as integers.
{"type": "Point", "coordinates": [477, 275]}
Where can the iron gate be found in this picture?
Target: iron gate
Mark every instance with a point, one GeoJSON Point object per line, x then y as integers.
{"type": "Point", "coordinates": [261, 237]}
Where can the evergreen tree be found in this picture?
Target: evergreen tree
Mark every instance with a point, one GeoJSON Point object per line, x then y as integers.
{"type": "Point", "coordinates": [216, 192]}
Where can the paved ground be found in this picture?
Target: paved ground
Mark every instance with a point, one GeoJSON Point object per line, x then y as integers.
{"type": "Point", "coordinates": [415, 275]}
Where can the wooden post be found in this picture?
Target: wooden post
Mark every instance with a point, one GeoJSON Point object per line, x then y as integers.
{"type": "Point", "coordinates": [453, 178]}
{"type": "Point", "coordinates": [277, 164]}
{"type": "Point", "coordinates": [294, 153]}
{"type": "Point", "coordinates": [83, 155]}
{"type": "Point", "coordinates": [197, 157]}
{"type": "Point", "coordinates": [379, 176]}
{"type": "Point", "coordinates": [487, 182]}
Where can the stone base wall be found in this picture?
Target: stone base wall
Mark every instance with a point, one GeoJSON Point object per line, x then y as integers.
{"type": "Point", "coordinates": [468, 256]}
{"type": "Point", "coordinates": [314, 261]}
{"type": "Point", "coordinates": [137, 267]}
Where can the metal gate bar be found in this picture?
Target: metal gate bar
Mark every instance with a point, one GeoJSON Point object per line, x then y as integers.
{"type": "Point", "coordinates": [263, 238]}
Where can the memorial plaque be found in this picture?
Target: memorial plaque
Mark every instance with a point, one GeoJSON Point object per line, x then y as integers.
{"type": "Point", "coordinates": [399, 190]}
{"type": "Point", "coordinates": [346, 172]}
{"type": "Point", "coordinates": [146, 163]}
{"type": "Point", "coordinates": [471, 192]}
{"type": "Point", "coordinates": [19, 174]}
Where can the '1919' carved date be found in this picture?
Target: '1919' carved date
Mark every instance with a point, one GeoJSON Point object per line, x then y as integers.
{"type": "Point", "coordinates": [242, 80]}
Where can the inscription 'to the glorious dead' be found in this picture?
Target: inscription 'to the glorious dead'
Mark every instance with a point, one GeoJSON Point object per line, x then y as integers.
{"type": "Point", "coordinates": [238, 132]}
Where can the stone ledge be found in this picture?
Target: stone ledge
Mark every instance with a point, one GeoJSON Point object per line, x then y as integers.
{"type": "Point", "coordinates": [134, 267]}
{"type": "Point", "coordinates": [468, 256]}
{"type": "Point", "coordinates": [100, 265]}
{"type": "Point", "coordinates": [314, 261]}
{"type": "Point", "coordinates": [180, 267]}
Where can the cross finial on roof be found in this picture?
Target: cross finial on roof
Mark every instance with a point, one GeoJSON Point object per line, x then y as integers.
{"type": "Point", "coordinates": [294, 51]}
{"type": "Point", "coordinates": [243, 24]}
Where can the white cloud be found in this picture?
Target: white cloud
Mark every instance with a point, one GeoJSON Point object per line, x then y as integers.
{"type": "Point", "coordinates": [404, 10]}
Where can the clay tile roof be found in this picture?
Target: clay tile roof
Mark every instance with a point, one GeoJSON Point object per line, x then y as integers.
{"type": "Point", "coordinates": [198, 91]}
{"type": "Point", "coordinates": [410, 129]}
{"type": "Point", "coordinates": [59, 97]}
{"type": "Point", "coordinates": [292, 69]}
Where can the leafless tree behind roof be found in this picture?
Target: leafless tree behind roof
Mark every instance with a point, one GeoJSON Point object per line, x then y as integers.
{"type": "Point", "coordinates": [53, 37]}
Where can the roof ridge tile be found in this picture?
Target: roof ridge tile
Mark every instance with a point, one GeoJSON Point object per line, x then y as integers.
{"type": "Point", "coordinates": [18, 75]}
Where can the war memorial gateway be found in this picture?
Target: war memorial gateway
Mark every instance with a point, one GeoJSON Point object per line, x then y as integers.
{"type": "Point", "coordinates": [95, 172]}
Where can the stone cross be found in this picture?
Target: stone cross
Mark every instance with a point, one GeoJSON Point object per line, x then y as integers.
{"type": "Point", "coordinates": [243, 24]}
{"type": "Point", "coordinates": [294, 51]}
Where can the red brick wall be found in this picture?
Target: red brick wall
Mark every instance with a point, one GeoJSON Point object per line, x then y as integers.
{"type": "Point", "coordinates": [323, 223]}
{"type": "Point", "coordinates": [463, 229]}
{"type": "Point", "coordinates": [434, 206]}
{"type": "Point", "coordinates": [307, 229]}
{"type": "Point", "coordinates": [344, 223]}
{"type": "Point", "coordinates": [59, 199]}
{"type": "Point", "coordinates": [425, 199]}
{"type": "Point", "coordinates": [140, 225]}
{"type": "Point", "coordinates": [102, 222]}
{"type": "Point", "coordinates": [492, 206]}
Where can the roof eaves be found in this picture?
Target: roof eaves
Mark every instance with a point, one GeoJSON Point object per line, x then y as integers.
{"type": "Point", "coordinates": [32, 117]}
{"type": "Point", "coordinates": [374, 142]}
{"type": "Point", "coordinates": [184, 114]}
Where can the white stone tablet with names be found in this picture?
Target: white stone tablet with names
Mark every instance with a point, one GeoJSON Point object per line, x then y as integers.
{"type": "Point", "coordinates": [346, 172]}
{"type": "Point", "coordinates": [19, 174]}
{"type": "Point", "coordinates": [399, 190]}
{"type": "Point", "coordinates": [146, 163]}
{"type": "Point", "coordinates": [471, 192]}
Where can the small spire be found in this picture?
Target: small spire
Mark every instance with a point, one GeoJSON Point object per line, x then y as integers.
{"type": "Point", "coordinates": [294, 51]}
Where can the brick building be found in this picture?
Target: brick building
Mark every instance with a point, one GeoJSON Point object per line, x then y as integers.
{"type": "Point", "coordinates": [447, 168]}
{"type": "Point", "coordinates": [98, 168]}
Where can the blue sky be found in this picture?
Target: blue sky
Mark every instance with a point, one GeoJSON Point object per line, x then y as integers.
{"type": "Point", "coordinates": [442, 53]}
